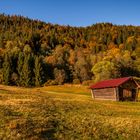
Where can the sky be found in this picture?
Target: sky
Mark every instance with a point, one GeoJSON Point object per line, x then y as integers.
{"type": "Point", "coordinates": [76, 12]}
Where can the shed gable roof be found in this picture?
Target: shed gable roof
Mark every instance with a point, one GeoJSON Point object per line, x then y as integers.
{"type": "Point", "coordinates": [110, 83]}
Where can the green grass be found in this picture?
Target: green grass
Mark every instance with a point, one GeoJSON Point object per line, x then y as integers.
{"type": "Point", "coordinates": [71, 89]}
{"type": "Point", "coordinates": [38, 115]}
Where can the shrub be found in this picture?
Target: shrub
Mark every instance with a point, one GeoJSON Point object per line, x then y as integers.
{"type": "Point", "coordinates": [87, 83]}
{"type": "Point", "coordinates": [76, 81]}
{"type": "Point", "coordinates": [50, 83]}
{"type": "Point", "coordinates": [1, 77]}
{"type": "Point", "coordinates": [14, 79]}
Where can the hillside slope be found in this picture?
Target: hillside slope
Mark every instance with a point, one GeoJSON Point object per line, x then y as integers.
{"type": "Point", "coordinates": [33, 52]}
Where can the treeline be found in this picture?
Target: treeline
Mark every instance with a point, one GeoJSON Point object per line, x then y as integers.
{"type": "Point", "coordinates": [34, 53]}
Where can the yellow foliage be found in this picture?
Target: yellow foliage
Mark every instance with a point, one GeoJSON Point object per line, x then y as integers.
{"type": "Point", "coordinates": [112, 45]}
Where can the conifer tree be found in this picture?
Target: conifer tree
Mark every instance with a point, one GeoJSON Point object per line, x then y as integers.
{"type": "Point", "coordinates": [6, 69]}
{"type": "Point", "coordinates": [19, 67]}
{"type": "Point", "coordinates": [38, 71]}
{"type": "Point", "coordinates": [26, 71]}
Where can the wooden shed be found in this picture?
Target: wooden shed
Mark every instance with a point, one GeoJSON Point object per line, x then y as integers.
{"type": "Point", "coordinates": [121, 89]}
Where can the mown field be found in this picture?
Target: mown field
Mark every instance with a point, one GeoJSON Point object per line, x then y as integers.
{"type": "Point", "coordinates": [65, 113]}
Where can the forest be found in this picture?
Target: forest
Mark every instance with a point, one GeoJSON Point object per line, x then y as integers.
{"type": "Point", "coordinates": [35, 53]}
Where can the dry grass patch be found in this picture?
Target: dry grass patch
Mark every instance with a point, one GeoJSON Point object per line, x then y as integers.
{"type": "Point", "coordinates": [39, 114]}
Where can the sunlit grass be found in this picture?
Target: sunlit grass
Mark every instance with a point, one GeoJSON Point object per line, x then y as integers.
{"type": "Point", "coordinates": [73, 89]}
{"type": "Point", "coordinates": [35, 114]}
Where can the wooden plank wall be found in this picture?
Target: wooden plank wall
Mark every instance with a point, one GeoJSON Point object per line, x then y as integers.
{"type": "Point", "coordinates": [105, 94]}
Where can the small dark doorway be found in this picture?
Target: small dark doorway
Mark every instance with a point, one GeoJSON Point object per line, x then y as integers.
{"type": "Point", "coordinates": [120, 94]}
{"type": "Point", "coordinates": [134, 94]}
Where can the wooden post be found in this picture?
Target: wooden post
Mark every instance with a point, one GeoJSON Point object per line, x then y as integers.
{"type": "Point", "coordinates": [92, 94]}
{"type": "Point", "coordinates": [137, 92]}
{"type": "Point", "coordinates": [117, 93]}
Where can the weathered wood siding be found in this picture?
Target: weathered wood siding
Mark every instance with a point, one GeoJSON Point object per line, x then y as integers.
{"type": "Point", "coordinates": [105, 94]}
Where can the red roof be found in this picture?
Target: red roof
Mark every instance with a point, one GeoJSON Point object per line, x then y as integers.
{"type": "Point", "coordinates": [110, 83]}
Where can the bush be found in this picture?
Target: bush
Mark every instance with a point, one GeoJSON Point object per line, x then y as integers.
{"type": "Point", "coordinates": [50, 83]}
{"type": "Point", "coordinates": [87, 83]}
{"type": "Point", "coordinates": [76, 81]}
{"type": "Point", "coordinates": [1, 79]}
{"type": "Point", "coordinates": [14, 79]}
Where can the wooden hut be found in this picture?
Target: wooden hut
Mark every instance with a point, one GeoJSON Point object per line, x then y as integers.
{"type": "Point", "coordinates": [120, 89]}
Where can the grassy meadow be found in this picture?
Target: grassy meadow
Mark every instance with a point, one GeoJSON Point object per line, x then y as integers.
{"type": "Point", "coordinates": [65, 113]}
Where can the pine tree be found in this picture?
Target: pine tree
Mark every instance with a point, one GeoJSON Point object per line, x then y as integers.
{"type": "Point", "coordinates": [119, 39]}
{"type": "Point", "coordinates": [38, 71]}
{"type": "Point", "coordinates": [19, 67]}
{"type": "Point", "coordinates": [6, 69]}
{"type": "Point", "coordinates": [26, 71]}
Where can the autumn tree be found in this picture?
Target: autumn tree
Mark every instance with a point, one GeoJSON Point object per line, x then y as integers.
{"type": "Point", "coordinates": [104, 70]}
{"type": "Point", "coordinates": [60, 76]}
